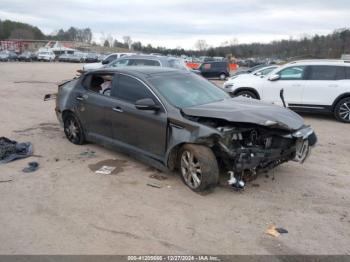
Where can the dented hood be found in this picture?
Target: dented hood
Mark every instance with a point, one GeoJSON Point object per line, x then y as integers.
{"type": "Point", "coordinates": [247, 110]}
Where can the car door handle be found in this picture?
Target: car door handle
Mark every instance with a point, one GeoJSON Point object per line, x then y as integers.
{"type": "Point", "coordinates": [117, 109]}
{"type": "Point", "coordinates": [80, 98]}
{"type": "Point", "coordinates": [333, 85]}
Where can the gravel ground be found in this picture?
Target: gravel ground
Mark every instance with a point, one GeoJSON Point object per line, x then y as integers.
{"type": "Point", "coordinates": [65, 208]}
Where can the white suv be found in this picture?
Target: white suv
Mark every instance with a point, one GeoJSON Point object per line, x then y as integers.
{"type": "Point", "coordinates": [308, 85]}
{"type": "Point", "coordinates": [46, 56]}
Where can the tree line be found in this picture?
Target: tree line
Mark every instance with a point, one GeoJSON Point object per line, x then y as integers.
{"type": "Point", "coordinates": [17, 30]}
{"type": "Point", "coordinates": [318, 46]}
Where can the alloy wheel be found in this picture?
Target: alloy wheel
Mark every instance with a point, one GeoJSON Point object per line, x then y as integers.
{"type": "Point", "coordinates": [191, 170]}
{"type": "Point", "coordinates": [72, 130]}
{"type": "Point", "coordinates": [344, 111]}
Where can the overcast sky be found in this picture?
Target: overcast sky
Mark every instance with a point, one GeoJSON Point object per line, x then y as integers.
{"type": "Point", "coordinates": [175, 23]}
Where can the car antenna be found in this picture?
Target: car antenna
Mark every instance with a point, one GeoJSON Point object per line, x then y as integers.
{"type": "Point", "coordinates": [282, 97]}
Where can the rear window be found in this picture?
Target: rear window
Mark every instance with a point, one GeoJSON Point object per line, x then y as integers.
{"type": "Point", "coordinates": [143, 62]}
{"type": "Point", "coordinates": [321, 72]}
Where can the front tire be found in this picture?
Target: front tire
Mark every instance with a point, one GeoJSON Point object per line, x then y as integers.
{"type": "Point", "coordinates": [198, 166]}
{"type": "Point", "coordinates": [247, 94]}
{"type": "Point", "coordinates": [73, 129]}
{"type": "Point", "coordinates": [342, 110]}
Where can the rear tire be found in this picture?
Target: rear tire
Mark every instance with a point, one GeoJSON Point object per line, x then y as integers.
{"type": "Point", "coordinates": [342, 110]}
{"type": "Point", "coordinates": [247, 94]}
{"type": "Point", "coordinates": [73, 129]}
{"type": "Point", "coordinates": [222, 76]}
{"type": "Point", "coordinates": [198, 167]}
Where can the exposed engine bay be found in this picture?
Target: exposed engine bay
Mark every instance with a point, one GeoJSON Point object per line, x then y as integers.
{"type": "Point", "coordinates": [248, 149]}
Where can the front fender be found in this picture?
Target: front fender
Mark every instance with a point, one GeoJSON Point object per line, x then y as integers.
{"type": "Point", "coordinates": [180, 133]}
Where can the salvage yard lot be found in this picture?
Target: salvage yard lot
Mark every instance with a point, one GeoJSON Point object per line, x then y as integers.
{"type": "Point", "coordinates": [65, 208]}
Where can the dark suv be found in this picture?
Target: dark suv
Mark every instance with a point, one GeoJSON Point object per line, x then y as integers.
{"type": "Point", "coordinates": [215, 69]}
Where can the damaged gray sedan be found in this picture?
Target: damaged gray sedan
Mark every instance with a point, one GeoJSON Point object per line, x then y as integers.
{"type": "Point", "coordinates": [177, 120]}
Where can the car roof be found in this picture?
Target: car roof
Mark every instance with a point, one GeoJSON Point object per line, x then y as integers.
{"type": "Point", "coordinates": [150, 57]}
{"type": "Point", "coordinates": [337, 62]}
{"type": "Point", "coordinates": [141, 71]}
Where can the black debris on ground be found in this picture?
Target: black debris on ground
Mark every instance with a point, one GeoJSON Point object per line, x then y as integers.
{"type": "Point", "coordinates": [281, 230]}
{"type": "Point", "coordinates": [32, 167]}
{"type": "Point", "coordinates": [11, 150]}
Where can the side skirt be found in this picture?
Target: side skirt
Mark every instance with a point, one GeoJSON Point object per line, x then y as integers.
{"type": "Point", "coordinates": [128, 150]}
{"type": "Point", "coordinates": [326, 109]}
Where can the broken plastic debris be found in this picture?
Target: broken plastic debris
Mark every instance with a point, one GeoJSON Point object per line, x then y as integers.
{"type": "Point", "coordinates": [88, 153]}
{"type": "Point", "coordinates": [154, 185]}
{"type": "Point", "coordinates": [271, 230]}
{"type": "Point", "coordinates": [105, 170]}
{"type": "Point", "coordinates": [275, 232]}
{"type": "Point", "coordinates": [234, 182]}
{"type": "Point", "coordinates": [232, 179]}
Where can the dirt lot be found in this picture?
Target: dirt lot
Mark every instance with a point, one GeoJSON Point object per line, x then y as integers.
{"type": "Point", "coordinates": [65, 208]}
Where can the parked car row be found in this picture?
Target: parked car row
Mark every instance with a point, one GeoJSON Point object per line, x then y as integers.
{"type": "Point", "coordinates": [49, 56]}
{"type": "Point", "coordinates": [138, 60]}
{"type": "Point", "coordinates": [305, 86]}
{"type": "Point", "coordinates": [6, 56]}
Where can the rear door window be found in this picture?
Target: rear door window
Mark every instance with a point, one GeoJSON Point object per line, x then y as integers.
{"type": "Point", "coordinates": [321, 72]}
{"type": "Point", "coordinates": [99, 83]}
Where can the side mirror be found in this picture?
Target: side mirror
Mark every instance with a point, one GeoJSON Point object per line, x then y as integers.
{"type": "Point", "coordinates": [105, 62]}
{"type": "Point", "coordinates": [258, 73]}
{"type": "Point", "coordinates": [274, 77]}
{"type": "Point", "coordinates": [146, 104]}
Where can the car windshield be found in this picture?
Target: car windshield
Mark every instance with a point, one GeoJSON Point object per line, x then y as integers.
{"type": "Point", "coordinates": [186, 90]}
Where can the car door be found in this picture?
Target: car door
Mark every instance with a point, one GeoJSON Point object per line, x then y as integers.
{"type": "Point", "coordinates": [139, 129]}
{"type": "Point", "coordinates": [322, 83]}
{"type": "Point", "coordinates": [291, 80]}
{"type": "Point", "coordinates": [93, 108]}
